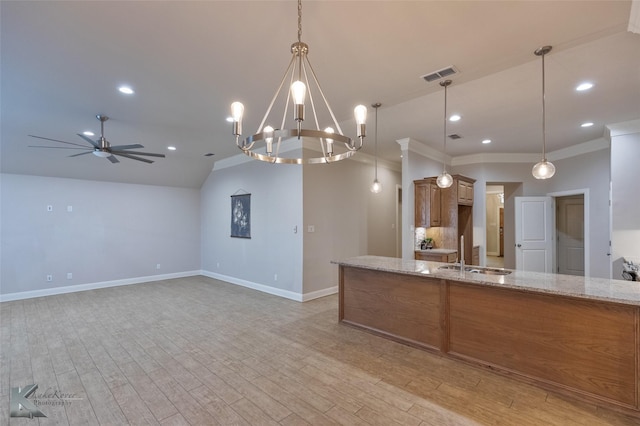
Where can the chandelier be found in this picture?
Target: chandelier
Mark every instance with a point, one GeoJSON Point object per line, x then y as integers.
{"type": "Point", "coordinates": [265, 144]}
{"type": "Point", "coordinates": [544, 169]}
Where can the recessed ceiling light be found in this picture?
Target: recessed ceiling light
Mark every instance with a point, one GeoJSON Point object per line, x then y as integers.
{"type": "Point", "coordinates": [584, 86]}
{"type": "Point", "coordinates": [455, 117]}
{"type": "Point", "coordinates": [229, 119]}
{"type": "Point", "coordinates": [171, 148]}
{"type": "Point", "coordinates": [587, 124]}
{"type": "Point", "coordinates": [88, 133]}
{"type": "Point", "coordinates": [126, 90]}
{"type": "Point", "coordinates": [486, 141]}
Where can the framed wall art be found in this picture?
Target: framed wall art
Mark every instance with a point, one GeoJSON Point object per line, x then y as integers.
{"type": "Point", "coordinates": [241, 216]}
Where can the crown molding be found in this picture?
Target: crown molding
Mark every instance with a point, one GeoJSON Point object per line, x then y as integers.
{"type": "Point", "coordinates": [624, 128]}
{"type": "Point", "coordinates": [413, 145]}
{"type": "Point", "coordinates": [634, 17]}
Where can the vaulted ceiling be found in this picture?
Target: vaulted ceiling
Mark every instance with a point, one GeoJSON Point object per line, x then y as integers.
{"type": "Point", "coordinates": [62, 63]}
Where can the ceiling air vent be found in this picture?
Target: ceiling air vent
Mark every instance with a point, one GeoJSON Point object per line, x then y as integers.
{"type": "Point", "coordinates": [455, 136]}
{"type": "Point", "coordinates": [437, 75]}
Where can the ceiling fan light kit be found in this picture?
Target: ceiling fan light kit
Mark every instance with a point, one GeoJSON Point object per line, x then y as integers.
{"type": "Point", "coordinates": [102, 148]}
{"type": "Point", "coordinates": [266, 137]}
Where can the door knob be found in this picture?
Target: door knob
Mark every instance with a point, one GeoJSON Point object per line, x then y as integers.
{"type": "Point", "coordinates": [518, 245]}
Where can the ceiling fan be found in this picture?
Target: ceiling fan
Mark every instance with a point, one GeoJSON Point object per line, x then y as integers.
{"type": "Point", "coordinates": [101, 147]}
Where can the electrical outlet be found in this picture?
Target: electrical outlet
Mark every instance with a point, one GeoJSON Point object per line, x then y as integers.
{"type": "Point", "coordinates": [157, 266]}
{"type": "Point", "coordinates": [69, 209]}
{"type": "Point", "coordinates": [69, 276]}
{"type": "Point", "coordinates": [217, 264]}
{"type": "Point", "coordinates": [49, 278]}
{"type": "Point", "coordinates": [311, 228]}
{"type": "Point", "coordinates": [275, 277]}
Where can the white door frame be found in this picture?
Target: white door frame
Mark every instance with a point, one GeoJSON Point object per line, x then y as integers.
{"type": "Point", "coordinates": [587, 245]}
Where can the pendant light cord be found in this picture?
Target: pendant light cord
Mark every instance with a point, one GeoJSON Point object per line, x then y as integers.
{"type": "Point", "coordinates": [376, 106]}
{"type": "Point", "coordinates": [544, 129]}
{"type": "Point", "coordinates": [444, 135]}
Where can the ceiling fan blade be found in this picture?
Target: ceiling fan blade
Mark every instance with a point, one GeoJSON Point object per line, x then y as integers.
{"type": "Point", "coordinates": [94, 143]}
{"type": "Point", "coordinates": [113, 159]}
{"type": "Point", "coordinates": [150, 154]}
{"type": "Point", "coordinates": [133, 157]}
{"type": "Point", "coordinates": [82, 153]}
{"type": "Point", "coordinates": [56, 140]}
{"type": "Point", "coordinates": [121, 147]}
{"type": "Point", "coordinates": [57, 147]}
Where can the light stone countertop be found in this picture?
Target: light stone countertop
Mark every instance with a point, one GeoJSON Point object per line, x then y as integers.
{"type": "Point", "coordinates": [617, 291]}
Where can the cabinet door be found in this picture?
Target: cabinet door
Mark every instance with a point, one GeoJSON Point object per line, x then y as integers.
{"type": "Point", "coordinates": [421, 201]}
{"type": "Point", "coordinates": [434, 208]}
{"type": "Point", "coordinates": [465, 193]}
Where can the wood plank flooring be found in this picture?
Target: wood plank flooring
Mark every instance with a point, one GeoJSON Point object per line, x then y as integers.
{"type": "Point", "coordinates": [197, 351]}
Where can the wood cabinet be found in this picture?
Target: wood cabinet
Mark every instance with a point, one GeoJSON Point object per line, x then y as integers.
{"type": "Point", "coordinates": [428, 209]}
{"type": "Point", "coordinates": [580, 347]}
{"type": "Point", "coordinates": [436, 257]}
{"type": "Point", "coordinates": [465, 191]}
{"type": "Point", "coordinates": [475, 255]}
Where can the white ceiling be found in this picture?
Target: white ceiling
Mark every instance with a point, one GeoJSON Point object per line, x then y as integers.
{"type": "Point", "coordinates": [62, 62]}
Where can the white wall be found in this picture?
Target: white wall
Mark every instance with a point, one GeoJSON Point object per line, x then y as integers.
{"type": "Point", "coordinates": [348, 219]}
{"type": "Point", "coordinates": [415, 165]}
{"type": "Point", "coordinates": [114, 232]}
{"type": "Point", "coordinates": [276, 211]}
{"type": "Point", "coordinates": [586, 171]}
{"type": "Point", "coordinates": [625, 192]}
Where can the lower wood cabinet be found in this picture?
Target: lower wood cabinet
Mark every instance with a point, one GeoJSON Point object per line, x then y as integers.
{"type": "Point", "coordinates": [436, 257]}
{"type": "Point", "coordinates": [585, 348]}
{"type": "Point", "coordinates": [401, 307]}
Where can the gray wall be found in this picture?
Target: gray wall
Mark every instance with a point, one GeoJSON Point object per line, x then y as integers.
{"type": "Point", "coordinates": [587, 171]}
{"type": "Point", "coordinates": [114, 232]}
{"type": "Point", "coordinates": [625, 208]}
{"type": "Point", "coordinates": [276, 212]}
{"type": "Point", "coordinates": [348, 219]}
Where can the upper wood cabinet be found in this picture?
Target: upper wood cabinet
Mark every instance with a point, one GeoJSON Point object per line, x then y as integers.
{"type": "Point", "coordinates": [428, 210]}
{"type": "Point", "coordinates": [465, 191]}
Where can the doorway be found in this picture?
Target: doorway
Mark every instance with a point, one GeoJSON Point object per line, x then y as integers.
{"type": "Point", "coordinates": [495, 225]}
{"type": "Point", "coordinates": [570, 234]}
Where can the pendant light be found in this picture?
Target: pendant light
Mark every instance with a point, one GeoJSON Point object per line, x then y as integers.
{"type": "Point", "coordinates": [544, 169]}
{"type": "Point", "coordinates": [376, 186]}
{"type": "Point", "coordinates": [444, 180]}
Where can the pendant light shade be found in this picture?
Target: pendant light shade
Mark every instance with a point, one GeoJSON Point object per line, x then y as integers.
{"type": "Point", "coordinates": [544, 169]}
{"type": "Point", "coordinates": [376, 186]}
{"type": "Point", "coordinates": [444, 180]}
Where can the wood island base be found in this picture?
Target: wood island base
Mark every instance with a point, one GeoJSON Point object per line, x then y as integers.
{"type": "Point", "coordinates": [583, 348]}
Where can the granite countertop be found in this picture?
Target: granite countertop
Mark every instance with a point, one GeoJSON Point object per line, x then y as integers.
{"type": "Point", "coordinates": [437, 251]}
{"type": "Point", "coordinates": [617, 291]}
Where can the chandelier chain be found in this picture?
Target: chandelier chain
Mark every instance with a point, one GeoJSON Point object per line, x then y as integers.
{"type": "Point", "coordinates": [444, 135]}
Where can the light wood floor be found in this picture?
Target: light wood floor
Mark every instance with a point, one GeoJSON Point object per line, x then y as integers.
{"type": "Point", "coordinates": [198, 351]}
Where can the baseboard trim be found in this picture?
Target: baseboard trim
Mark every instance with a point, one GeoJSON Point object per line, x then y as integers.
{"type": "Point", "coordinates": [291, 295]}
{"type": "Point", "coordinates": [93, 286]}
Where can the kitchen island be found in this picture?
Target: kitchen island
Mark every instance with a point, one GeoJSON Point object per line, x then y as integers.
{"type": "Point", "coordinates": [574, 335]}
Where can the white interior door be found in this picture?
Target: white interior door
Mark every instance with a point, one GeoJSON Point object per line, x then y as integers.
{"type": "Point", "coordinates": [534, 234]}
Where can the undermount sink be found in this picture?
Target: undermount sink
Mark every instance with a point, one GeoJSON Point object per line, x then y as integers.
{"type": "Point", "coordinates": [477, 270]}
